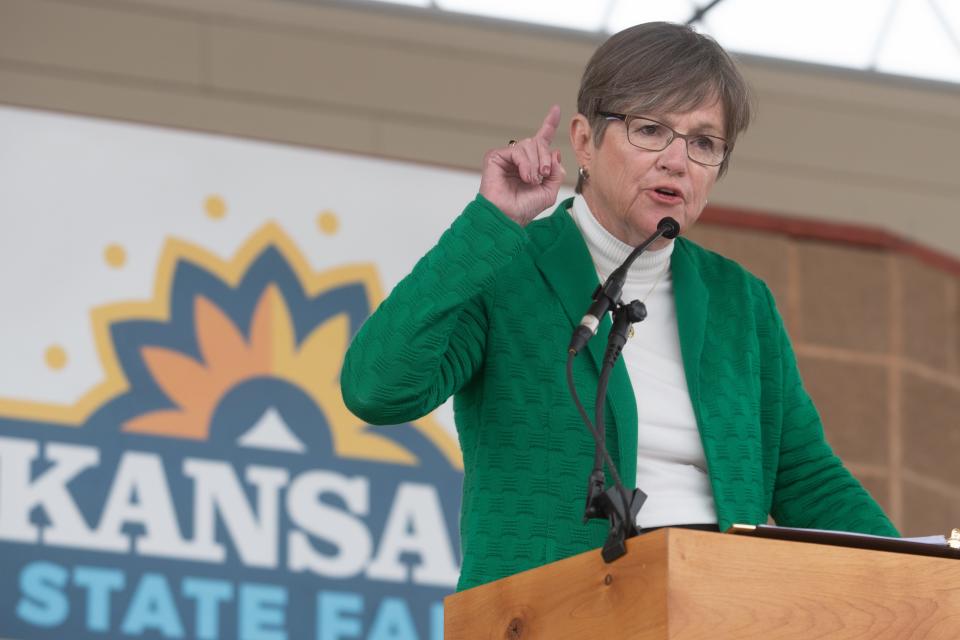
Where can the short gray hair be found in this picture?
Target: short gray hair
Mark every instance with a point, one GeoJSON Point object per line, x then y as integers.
{"type": "Point", "coordinates": [660, 67]}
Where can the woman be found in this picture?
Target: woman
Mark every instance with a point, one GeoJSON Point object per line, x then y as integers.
{"type": "Point", "coordinates": [706, 410]}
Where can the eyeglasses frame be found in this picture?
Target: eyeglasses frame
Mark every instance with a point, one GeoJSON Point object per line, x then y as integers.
{"type": "Point", "coordinates": [623, 117]}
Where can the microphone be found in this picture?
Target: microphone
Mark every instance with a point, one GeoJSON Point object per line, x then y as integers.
{"type": "Point", "coordinates": [608, 294]}
{"type": "Point", "coordinates": [670, 228]}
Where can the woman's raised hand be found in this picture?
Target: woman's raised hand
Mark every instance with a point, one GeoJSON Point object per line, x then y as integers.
{"type": "Point", "coordinates": [523, 179]}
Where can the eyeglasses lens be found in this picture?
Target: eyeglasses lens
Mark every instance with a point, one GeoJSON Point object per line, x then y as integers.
{"type": "Point", "coordinates": [654, 136]}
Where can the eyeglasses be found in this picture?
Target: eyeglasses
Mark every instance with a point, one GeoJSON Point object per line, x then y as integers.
{"type": "Point", "coordinates": [651, 135]}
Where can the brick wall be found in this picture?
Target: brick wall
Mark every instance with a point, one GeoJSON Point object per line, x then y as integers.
{"type": "Point", "coordinates": [876, 330]}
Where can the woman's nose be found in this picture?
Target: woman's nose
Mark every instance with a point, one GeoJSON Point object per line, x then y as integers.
{"type": "Point", "coordinates": [674, 157]}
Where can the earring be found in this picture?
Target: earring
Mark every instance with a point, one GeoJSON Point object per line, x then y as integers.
{"type": "Point", "coordinates": [583, 173]}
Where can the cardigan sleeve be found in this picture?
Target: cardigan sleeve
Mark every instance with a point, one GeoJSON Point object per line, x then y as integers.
{"type": "Point", "coordinates": [813, 488]}
{"type": "Point", "coordinates": [427, 339]}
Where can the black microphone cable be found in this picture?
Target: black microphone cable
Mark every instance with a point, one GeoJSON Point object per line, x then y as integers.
{"type": "Point", "coordinates": [605, 297]}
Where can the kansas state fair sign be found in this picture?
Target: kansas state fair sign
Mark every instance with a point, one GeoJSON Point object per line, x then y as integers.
{"type": "Point", "coordinates": [175, 457]}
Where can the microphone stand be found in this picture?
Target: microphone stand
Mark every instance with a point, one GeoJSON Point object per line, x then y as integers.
{"type": "Point", "coordinates": [620, 509]}
{"type": "Point", "coordinates": [613, 503]}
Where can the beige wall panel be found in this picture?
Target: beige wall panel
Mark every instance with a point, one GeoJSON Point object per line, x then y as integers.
{"type": "Point", "coordinates": [850, 398]}
{"type": "Point", "coordinates": [916, 152]}
{"type": "Point", "coordinates": [378, 79]}
{"type": "Point", "coordinates": [844, 296]}
{"type": "Point", "coordinates": [188, 110]}
{"type": "Point", "coordinates": [931, 438]}
{"type": "Point", "coordinates": [953, 347]}
{"type": "Point", "coordinates": [927, 217]}
{"type": "Point", "coordinates": [840, 88]}
{"type": "Point", "coordinates": [929, 315]}
{"type": "Point", "coordinates": [424, 141]}
{"type": "Point", "coordinates": [91, 38]}
{"type": "Point", "coordinates": [929, 510]}
{"type": "Point", "coordinates": [518, 44]}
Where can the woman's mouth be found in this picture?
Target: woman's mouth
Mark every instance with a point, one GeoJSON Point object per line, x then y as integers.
{"type": "Point", "coordinates": [665, 196]}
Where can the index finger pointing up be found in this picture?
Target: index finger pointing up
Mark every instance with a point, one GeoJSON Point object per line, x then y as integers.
{"type": "Point", "coordinates": [550, 124]}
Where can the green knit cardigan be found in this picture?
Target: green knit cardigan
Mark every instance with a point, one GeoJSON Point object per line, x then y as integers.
{"type": "Point", "coordinates": [486, 315]}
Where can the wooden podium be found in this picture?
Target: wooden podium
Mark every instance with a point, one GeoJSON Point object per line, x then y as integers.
{"type": "Point", "coordinates": [694, 585]}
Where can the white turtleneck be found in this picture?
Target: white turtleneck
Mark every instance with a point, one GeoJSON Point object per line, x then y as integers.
{"type": "Point", "coordinates": [671, 467]}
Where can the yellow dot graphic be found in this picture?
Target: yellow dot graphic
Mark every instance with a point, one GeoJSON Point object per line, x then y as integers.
{"type": "Point", "coordinates": [115, 255]}
{"type": "Point", "coordinates": [328, 223]}
{"type": "Point", "coordinates": [55, 357]}
{"type": "Point", "coordinates": [215, 207]}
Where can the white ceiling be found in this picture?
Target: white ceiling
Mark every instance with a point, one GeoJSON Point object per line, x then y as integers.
{"type": "Point", "coordinates": [917, 38]}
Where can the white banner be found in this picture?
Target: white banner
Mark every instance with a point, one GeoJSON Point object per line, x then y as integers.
{"type": "Point", "coordinates": [175, 458]}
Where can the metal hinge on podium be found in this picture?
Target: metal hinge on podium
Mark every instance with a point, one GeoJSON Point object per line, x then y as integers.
{"type": "Point", "coordinates": [953, 541]}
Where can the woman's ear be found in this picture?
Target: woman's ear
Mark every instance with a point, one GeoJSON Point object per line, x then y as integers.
{"type": "Point", "coordinates": [581, 139]}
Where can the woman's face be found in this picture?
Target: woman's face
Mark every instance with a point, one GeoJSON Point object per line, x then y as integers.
{"type": "Point", "coordinates": [622, 188]}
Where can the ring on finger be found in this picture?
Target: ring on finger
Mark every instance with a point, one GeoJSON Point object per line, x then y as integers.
{"type": "Point", "coordinates": [512, 143]}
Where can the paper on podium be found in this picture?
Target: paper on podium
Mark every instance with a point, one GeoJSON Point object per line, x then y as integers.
{"type": "Point", "coordinates": [940, 546]}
